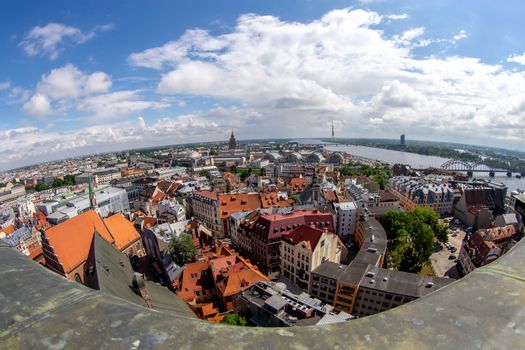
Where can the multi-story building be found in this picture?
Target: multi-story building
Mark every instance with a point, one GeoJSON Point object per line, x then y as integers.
{"type": "Point", "coordinates": [109, 200]}
{"type": "Point", "coordinates": [10, 193]}
{"type": "Point", "coordinates": [382, 289]}
{"type": "Point", "coordinates": [99, 177]}
{"type": "Point", "coordinates": [213, 209]}
{"type": "Point", "coordinates": [415, 192]}
{"type": "Point", "coordinates": [305, 248]}
{"type": "Point", "coordinates": [346, 214]}
{"type": "Point", "coordinates": [24, 239]}
{"type": "Point", "coordinates": [206, 209]}
{"type": "Point", "coordinates": [264, 232]}
{"type": "Point", "coordinates": [332, 282]}
{"type": "Point", "coordinates": [271, 304]}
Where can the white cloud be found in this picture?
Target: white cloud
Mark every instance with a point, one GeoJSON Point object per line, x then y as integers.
{"type": "Point", "coordinates": [342, 67]}
{"type": "Point", "coordinates": [47, 40]}
{"type": "Point", "coordinates": [286, 79]}
{"type": "Point", "coordinates": [5, 85]}
{"type": "Point", "coordinates": [38, 105]}
{"type": "Point", "coordinates": [397, 17]}
{"type": "Point", "coordinates": [520, 59]}
{"type": "Point", "coordinates": [67, 89]}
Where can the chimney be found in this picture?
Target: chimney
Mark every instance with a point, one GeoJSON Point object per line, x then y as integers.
{"type": "Point", "coordinates": [139, 287]}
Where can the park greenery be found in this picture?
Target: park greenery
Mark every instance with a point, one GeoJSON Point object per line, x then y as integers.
{"type": "Point", "coordinates": [378, 174]}
{"type": "Point", "coordinates": [245, 172]}
{"type": "Point", "coordinates": [182, 249]}
{"type": "Point", "coordinates": [411, 237]}
{"type": "Point", "coordinates": [234, 320]}
{"type": "Point", "coordinates": [68, 180]}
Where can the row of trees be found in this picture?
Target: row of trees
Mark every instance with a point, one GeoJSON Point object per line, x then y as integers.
{"type": "Point", "coordinates": [411, 237]}
{"type": "Point", "coordinates": [69, 180]}
{"type": "Point", "coordinates": [245, 172]}
{"type": "Point", "coordinates": [378, 174]}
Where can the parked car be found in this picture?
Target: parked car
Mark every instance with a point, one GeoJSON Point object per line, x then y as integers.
{"type": "Point", "coordinates": [452, 257]}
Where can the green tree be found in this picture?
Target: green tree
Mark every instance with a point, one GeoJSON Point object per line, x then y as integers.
{"type": "Point", "coordinates": [182, 249]}
{"type": "Point", "coordinates": [262, 172]}
{"type": "Point", "coordinates": [235, 320]}
{"type": "Point", "coordinates": [42, 187]}
{"type": "Point", "coordinates": [411, 237]}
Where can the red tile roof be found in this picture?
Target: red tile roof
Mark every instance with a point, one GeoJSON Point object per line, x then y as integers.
{"type": "Point", "coordinates": [306, 234]}
{"type": "Point", "coordinates": [276, 225]}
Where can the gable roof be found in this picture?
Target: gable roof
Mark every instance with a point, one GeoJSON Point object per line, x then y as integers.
{"type": "Point", "coordinates": [71, 240]}
{"type": "Point", "coordinates": [311, 236]}
{"type": "Point", "coordinates": [122, 231]}
{"type": "Point", "coordinates": [113, 274]}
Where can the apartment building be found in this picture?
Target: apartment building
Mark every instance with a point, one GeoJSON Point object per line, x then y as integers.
{"type": "Point", "coordinates": [305, 248]}
{"type": "Point", "coordinates": [415, 192]}
{"type": "Point", "coordinates": [265, 231]}
{"type": "Point", "coordinates": [346, 215]}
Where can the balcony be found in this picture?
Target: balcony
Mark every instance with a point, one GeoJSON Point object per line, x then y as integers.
{"type": "Point", "coordinates": [40, 309]}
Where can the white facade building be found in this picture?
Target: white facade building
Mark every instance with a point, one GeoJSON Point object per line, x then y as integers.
{"type": "Point", "coordinates": [346, 215]}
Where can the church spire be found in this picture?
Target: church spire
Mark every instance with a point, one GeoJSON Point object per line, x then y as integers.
{"type": "Point", "coordinates": [233, 143]}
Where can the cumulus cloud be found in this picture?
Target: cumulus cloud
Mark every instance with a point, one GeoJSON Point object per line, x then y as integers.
{"type": "Point", "coordinates": [520, 59]}
{"type": "Point", "coordinates": [38, 105]}
{"type": "Point", "coordinates": [341, 66]}
{"type": "Point", "coordinates": [4, 85]}
{"type": "Point", "coordinates": [48, 39]}
{"type": "Point", "coordinates": [298, 76]}
{"type": "Point", "coordinates": [67, 88]}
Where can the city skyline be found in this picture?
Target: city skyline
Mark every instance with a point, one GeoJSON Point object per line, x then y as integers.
{"type": "Point", "coordinates": [81, 79]}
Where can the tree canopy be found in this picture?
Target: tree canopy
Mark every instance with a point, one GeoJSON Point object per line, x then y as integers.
{"type": "Point", "coordinates": [182, 249]}
{"type": "Point", "coordinates": [411, 237]}
{"type": "Point", "coordinates": [235, 320]}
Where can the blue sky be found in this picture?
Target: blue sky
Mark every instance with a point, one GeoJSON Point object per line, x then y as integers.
{"type": "Point", "coordinates": [83, 77]}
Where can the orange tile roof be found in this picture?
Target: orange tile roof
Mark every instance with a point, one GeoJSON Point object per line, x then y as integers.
{"type": "Point", "coordinates": [149, 221]}
{"type": "Point", "coordinates": [193, 280]}
{"type": "Point", "coordinates": [71, 240]}
{"type": "Point", "coordinates": [122, 230]}
{"type": "Point", "coordinates": [8, 230]}
{"type": "Point", "coordinates": [230, 177]}
{"type": "Point", "coordinates": [272, 200]}
{"type": "Point", "coordinates": [209, 194]}
{"type": "Point", "coordinates": [236, 203]}
{"type": "Point", "coordinates": [330, 196]}
{"type": "Point", "coordinates": [298, 184]}
{"type": "Point", "coordinates": [238, 281]}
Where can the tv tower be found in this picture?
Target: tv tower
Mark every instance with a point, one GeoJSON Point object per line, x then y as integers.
{"type": "Point", "coordinates": [333, 133]}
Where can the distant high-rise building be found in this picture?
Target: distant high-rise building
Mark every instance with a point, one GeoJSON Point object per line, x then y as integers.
{"type": "Point", "coordinates": [402, 140]}
{"type": "Point", "coordinates": [233, 142]}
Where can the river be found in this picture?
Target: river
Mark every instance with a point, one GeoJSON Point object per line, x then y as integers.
{"type": "Point", "coordinates": [416, 161]}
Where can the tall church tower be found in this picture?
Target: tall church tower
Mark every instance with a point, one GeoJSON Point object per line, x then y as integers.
{"type": "Point", "coordinates": [233, 142]}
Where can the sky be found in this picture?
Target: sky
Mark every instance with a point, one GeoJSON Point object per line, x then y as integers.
{"type": "Point", "coordinates": [94, 76]}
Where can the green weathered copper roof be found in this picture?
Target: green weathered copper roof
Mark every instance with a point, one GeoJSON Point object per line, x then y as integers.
{"type": "Point", "coordinates": [39, 309]}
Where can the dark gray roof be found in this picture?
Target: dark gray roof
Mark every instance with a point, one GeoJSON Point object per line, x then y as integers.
{"type": "Point", "coordinates": [353, 273]}
{"type": "Point", "coordinates": [330, 270]}
{"type": "Point", "coordinates": [113, 274]}
{"type": "Point", "coordinates": [23, 233]}
{"type": "Point", "coordinates": [402, 283]}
